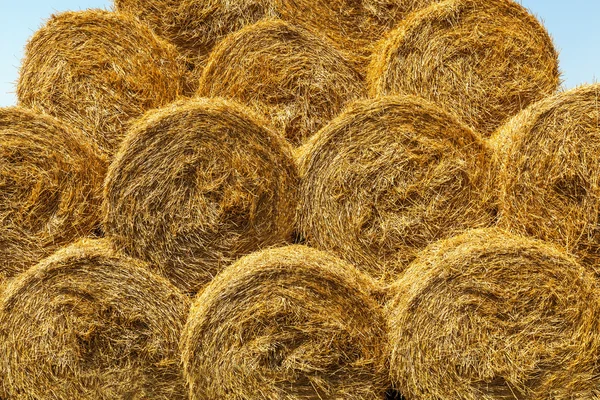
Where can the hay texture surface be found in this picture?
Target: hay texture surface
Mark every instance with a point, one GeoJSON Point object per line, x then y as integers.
{"type": "Point", "coordinates": [488, 316]}
{"type": "Point", "coordinates": [295, 79]}
{"type": "Point", "coordinates": [197, 185]}
{"type": "Point", "coordinates": [287, 323]}
{"type": "Point", "coordinates": [87, 323]}
{"type": "Point", "coordinates": [388, 177]}
{"type": "Point", "coordinates": [50, 187]}
{"type": "Point", "coordinates": [97, 70]}
{"type": "Point", "coordinates": [195, 26]}
{"type": "Point", "coordinates": [354, 25]}
{"type": "Point", "coordinates": [483, 60]}
{"type": "Point", "coordinates": [550, 172]}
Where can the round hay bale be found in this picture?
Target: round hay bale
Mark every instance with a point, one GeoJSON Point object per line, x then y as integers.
{"type": "Point", "coordinates": [87, 323]}
{"type": "Point", "coordinates": [295, 79]}
{"type": "Point", "coordinates": [97, 70]}
{"type": "Point", "coordinates": [50, 187]}
{"type": "Point", "coordinates": [287, 323]}
{"type": "Point", "coordinates": [354, 25]}
{"type": "Point", "coordinates": [388, 177]}
{"type": "Point", "coordinates": [483, 60]}
{"type": "Point", "coordinates": [549, 172]}
{"type": "Point", "coordinates": [197, 185]}
{"type": "Point", "coordinates": [488, 316]}
{"type": "Point", "coordinates": [196, 26]}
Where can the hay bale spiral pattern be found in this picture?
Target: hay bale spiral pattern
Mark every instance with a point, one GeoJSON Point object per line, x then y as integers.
{"type": "Point", "coordinates": [483, 60]}
{"type": "Point", "coordinates": [50, 187]}
{"type": "Point", "coordinates": [197, 185]}
{"type": "Point", "coordinates": [295, 79]}
{"type": "Point", "coordinates": [97, 70]}
{"type": "Point", "coordinates": [549, 172]}
{"type": "Point", "coordinates": [288, 323]}
{"type": "Point", "coordinates": [388, 177]}
{"type": "Point", "coordinates": [87, 323]}
{"type": "Point", "coordinates": [488, 316]}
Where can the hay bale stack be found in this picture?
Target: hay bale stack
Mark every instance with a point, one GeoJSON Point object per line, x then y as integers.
{"type": "Point", "coordinates": [97, 70]}
{"type": "Point", "coordinates": [483, 60]}
{"type": "Point", "coordinates": [354, 26]}
{"type": "Point", "coordinates": [288, 323]}
{"type": "Point", "coordinates": [295, 79]}
{"type": "Point", "coordinates": [87, 323]}
{"type": "Point", "coordinates": [549, 172]}
{"type": "Point", "coordinates": [196, 26]}
{"type": "Point", "coordinates": [50, 187]}
{"type": "Point", "coordinates": [488, 316]}
{"type": "Point", "coordinates": [388, 177]}
{"type": "Point", "coordinates": [197, 185]}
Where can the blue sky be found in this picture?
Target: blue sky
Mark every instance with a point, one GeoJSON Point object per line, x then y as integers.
{"type": "Point", "coordinates": [573, 25]}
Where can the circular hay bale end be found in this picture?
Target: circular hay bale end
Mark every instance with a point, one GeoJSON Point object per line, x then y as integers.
{"type": "Point", "coordinates": [295, 79]}
{"type": "Point", "coordinates": [483, 75]}
{"type": "Point", "coordinates": [488, 316]}
{"type": "Point", "coordinates": [387, 178]}
{"type": "Point", "coordinates": [87, 323]}
{"type": "Point", "coordinates": [196, 26]}
{"type": "Point", "coordinates": [549, 172]}
{"type": "Point", "coordinates": [292, 323]}
{"type": "Point", "coordinates": [197, 185]}
{"type": "Point", "coordinates": [51, 183]}
{"type": "Point", "coordinates": [97, 70]}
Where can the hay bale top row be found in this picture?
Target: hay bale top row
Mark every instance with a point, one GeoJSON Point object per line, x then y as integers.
{"type": "Point", "coordinates": [99, 70]}
{"type": "Point", "coordinates": [196, 27]}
